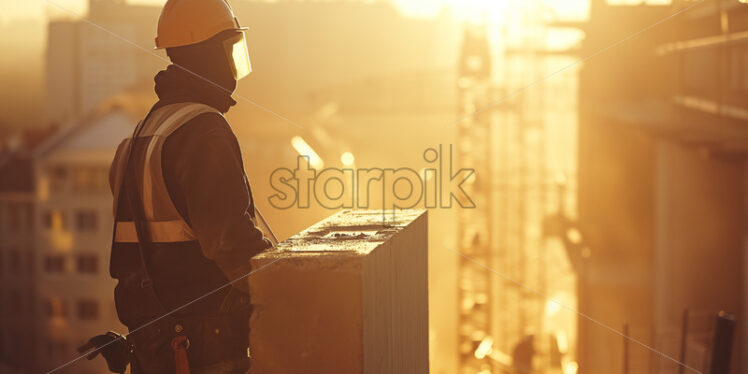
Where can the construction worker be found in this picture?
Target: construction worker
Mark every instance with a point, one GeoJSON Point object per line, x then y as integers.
{"type": "Point", "coordinates": [184, 214]}
{"type": "Point", "coordinates": [522, 355]}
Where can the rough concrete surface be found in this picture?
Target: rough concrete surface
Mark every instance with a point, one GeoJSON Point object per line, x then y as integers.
{"type": "Point", "coordinates": [347, 295]}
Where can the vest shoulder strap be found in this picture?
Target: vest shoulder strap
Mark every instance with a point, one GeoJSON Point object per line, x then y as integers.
{"type": "Point", "coordinates": [163, 217]}
{"type": "Point", "coordinates": [169, 118]}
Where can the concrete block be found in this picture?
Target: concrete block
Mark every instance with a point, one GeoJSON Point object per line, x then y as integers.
{"type": "Point", "coordinates": [347, 295]}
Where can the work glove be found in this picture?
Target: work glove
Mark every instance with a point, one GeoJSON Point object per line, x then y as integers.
{"type": "Point", "coordinates": [113, 347]}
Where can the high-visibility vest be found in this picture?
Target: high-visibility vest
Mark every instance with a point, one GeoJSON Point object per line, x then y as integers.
{"type": "Point", "coordinates": [165, 224]}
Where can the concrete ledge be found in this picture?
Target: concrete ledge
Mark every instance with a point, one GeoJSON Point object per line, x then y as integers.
{"type": "Point", "coordinates": [347, 295]}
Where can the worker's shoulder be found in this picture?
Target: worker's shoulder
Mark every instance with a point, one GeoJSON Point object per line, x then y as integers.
{"type": "Point", "coordinates": [206, 124]}
{"type": "Point", "coordinates": [195, 132]}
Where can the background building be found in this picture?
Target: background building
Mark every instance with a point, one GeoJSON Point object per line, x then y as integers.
{"type": "Point", "coordinates": [55, 239]}
{"type": "Point", "coordinates": [86, 63]}
{"type": "Point", "coordinates": [18, 260]}
{"type": "Point", "coordinates": [662, 183]}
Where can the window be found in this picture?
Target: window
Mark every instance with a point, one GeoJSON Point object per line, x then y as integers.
{"type": "Point", "coordinates": [20, 217]}
{"type": "Point", "coordinates": [90, 179]}
{"type": "Point", "coordinates": [54, 263]}
{"type": "Point", "coordinates": [87, 264]}
{"type": "Point", "coordinates": [57, 349]}
{"type": "Point", "coordinates": [15, 217]}
{"type": "Point", "coordinates": [15, 298]}
{"type": "Point", "coordinates": [30, 259]}
{"type": "Point", "coordinates": [48, 220]}
{"type": "Point", "coordinates": [29, 216]}
{"type": "Point", "coordinates": [86, 220]}
{"type": "Point", "coordinates": [54, 219]}
{"type": "Point", "coordinates": [14, 302]}
{"type": "Point", "coordinates": [13, 349]}
{"type": "Point", "coordinates": [88, 309]}
{"type": "Point", "coordinates": [14, 260]}
{"type": "Point", "coordinates": [56, 308]}
{"type": "Point", "coordinates": [738, 71]}
{"type": "Point", "coordinates": [57, 177]}
{"type": "Point", "coordinates": [84, 179]}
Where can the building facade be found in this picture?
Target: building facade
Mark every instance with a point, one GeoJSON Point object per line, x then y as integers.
{"type": "Point", "coordinates": [17, 261]}
{"type": "Point", "coordinates": [55, 248]}
{"type": "Point", "coordinates": [662, 184]}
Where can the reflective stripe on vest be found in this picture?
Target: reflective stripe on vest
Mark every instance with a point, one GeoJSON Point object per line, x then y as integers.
{"type": "Point", "coordinates": [165, 223]}
{"type": "Point", "coordinates": [161, 232]}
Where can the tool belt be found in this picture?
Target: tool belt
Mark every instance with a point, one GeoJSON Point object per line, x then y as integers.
{"type": "Point", "coordinates": [195, 341]}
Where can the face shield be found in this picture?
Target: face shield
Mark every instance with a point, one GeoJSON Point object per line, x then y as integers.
{"type": "Point", "coordinates": [238, 55]}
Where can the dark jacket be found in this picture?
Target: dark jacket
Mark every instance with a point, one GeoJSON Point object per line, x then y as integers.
{"type": "Point", "coordinates": [204, 174]}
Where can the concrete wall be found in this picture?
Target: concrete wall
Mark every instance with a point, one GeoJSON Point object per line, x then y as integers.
{"type": "Point", "coordinates": [665, 224]}
{"type": "Point", "coordinates": [699, 244]}
{"type": "Point", "coordinates": [615, 210]}
{"type": "Point", "coordinates": [347, 295]}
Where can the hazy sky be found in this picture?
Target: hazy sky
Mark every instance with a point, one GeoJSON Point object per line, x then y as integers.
{"type": "Point", "coordinates": [13, 9]}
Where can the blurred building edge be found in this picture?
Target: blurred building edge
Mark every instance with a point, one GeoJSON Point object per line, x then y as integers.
{"type": "Point", "coordinates": [89, 60]}
{"type": "Point", "coordinates": [662, 180]}
{"type": "Point", "coordinates": [55, 220]}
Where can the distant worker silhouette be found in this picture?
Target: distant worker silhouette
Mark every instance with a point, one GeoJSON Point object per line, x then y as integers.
{"type": "Point", "coordinates": [184, 214]}
{"type": "Point", "coordinates": [523, 355]}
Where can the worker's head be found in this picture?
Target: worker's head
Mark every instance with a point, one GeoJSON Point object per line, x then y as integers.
{"type": "Point", "coordinates": [204, 37]}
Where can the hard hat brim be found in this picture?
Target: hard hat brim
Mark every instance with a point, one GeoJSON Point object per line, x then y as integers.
{"type": "Point", "coordinates": [162, 45]}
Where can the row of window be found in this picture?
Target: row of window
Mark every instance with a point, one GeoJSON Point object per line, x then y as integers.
{"type": "Point", "coordinates": [16, 343]}
{"type": "Point", "coordinates": [85, 310]}
{"type": "Point", "coordinates": [14, 262]}
{"type": "Point", "coordinates": [705, 74]}
{"type": "Point", "coordinates": [84, 263]}
{"type": "Point", "coordinates": [19, 218]}
{"type": "Point", "coordinates": [52, 263]}
{"type": "Point", "coordinates": [85, 220]}
{"type": "Point", "coordinates": [11, 348]}
{"type": "Point", "coordinates": [13, 343]}
{"type": "Point", "coordinates": [78, 178]}
{"type": "Point", "coordinates": [55, 307]}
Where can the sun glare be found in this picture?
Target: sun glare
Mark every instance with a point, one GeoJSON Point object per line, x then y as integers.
{"type": "Point", "coordinates": [468, 10]}
{"type": "Point", "coordinates": [492, 11]}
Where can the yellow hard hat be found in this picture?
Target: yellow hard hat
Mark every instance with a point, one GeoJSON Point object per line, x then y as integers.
{"type": "Point", "coordinates": [185, 22]}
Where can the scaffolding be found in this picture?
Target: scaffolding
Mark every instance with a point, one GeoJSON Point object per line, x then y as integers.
{"type": "Point", "coordinates": [502, 136]}
{"type": "Point", "coordinates": [474, 233]}
{"type": "Point", "coordinates": [523, 189]}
